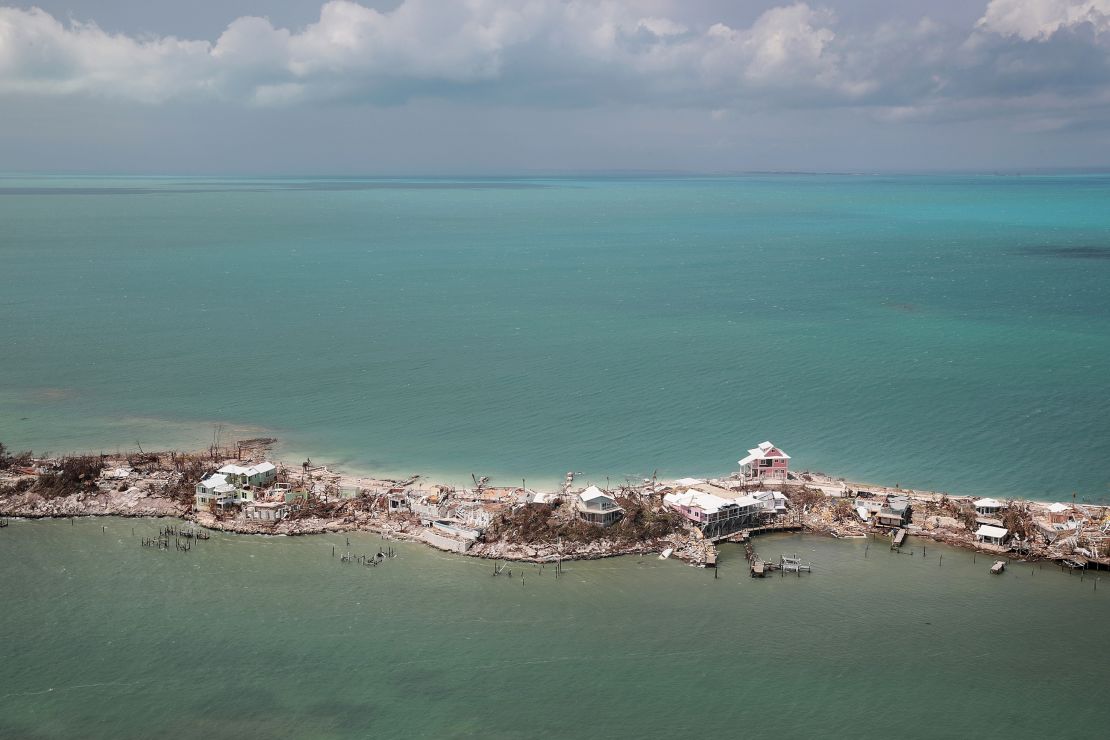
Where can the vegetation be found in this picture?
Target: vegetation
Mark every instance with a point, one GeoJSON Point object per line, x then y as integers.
{"type": "Point", "coordinates": [641, 523]}
{"type": "Point", "coordinates": [8, 460]}
{"type": "Point", "coordinates": [842, 510]}
{"type": "Point", "coordinates": [72, 475]}
{"type": "Point", "coordinates": [967, 515]}
{"type": "Point", "coordinates": [538, 524]}
{"type": "Point", "coordinates": [191, 471]}
{"type": "Point", "coordinates": [547, 524]}
{"type": "Point", "coordinates": [804, 497]}
{"type": "Point", "coordinates": [1017, 518]}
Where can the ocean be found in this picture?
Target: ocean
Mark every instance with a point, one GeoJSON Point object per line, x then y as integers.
{"type": "Point", "coordinates": [949, 332]}
{"type": "Point", "coordinates": [255, 637]}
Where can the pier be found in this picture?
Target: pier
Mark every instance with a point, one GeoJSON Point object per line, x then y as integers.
{"type": "Point", "coordinates": [759, 567]}
{"type": "Point", "coordinates": [746, 534]}
{"type": "Point", "coordinates": [793, 564]}
{"type": "Point", "coordinates": [897, 538]}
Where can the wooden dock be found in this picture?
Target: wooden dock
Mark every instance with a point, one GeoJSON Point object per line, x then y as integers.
{"type": "Point", "coordinates": [898, 538]}
{"type": "Point", "coordinates": [793, 564]}
{"type": "Point", "coordinates": [758, 567]}
{"type": "Point", "coordinates": [746, 534]}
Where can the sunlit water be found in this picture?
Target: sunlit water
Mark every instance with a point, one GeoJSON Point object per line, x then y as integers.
{"type": "Point", "coordinates": [950, 332]}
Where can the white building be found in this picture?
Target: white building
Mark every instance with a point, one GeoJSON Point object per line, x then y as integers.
{"type": "Point", "coordinates": [214, 489]}
{"type": "Point", "coordinates": [267, 511]}
{"type": "Point", "coordinates": [597, 507]}
{"type": "Point", "coordinates": [991, 535]}
{"type": "Point", "coordinates": [772, 502]}
{"type": "Point", "coordinates": [988, 506]}
{"type": "Point", "coordinates": [260, 474]}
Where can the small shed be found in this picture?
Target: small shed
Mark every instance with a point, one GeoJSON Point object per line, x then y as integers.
{"type": "Point", "coordinates": [267, 511]}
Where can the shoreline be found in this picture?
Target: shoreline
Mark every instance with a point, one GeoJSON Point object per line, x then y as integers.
{"type": "Point", "coordinates": [149, 485]}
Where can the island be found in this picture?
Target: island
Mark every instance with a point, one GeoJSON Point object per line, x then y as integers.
{"type": "Point", "coordinates": [240, 489]}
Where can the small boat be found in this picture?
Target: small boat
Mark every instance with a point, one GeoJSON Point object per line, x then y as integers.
{"type": "Point", "coordinates": [998, 567]}
{"type": "Point", "coordinates": [666, 553]}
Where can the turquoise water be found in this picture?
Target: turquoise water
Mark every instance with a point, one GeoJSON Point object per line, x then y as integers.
{"type": "Point", "coordinates": [249, 637]}
{"type": "Point", "coordinates": [949, 332]}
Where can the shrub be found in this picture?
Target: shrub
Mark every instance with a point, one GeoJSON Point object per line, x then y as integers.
{"type": "Point", "coordinates": [73, 475]}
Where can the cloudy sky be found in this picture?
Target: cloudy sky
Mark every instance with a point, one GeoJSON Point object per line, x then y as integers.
{"type": "Point", "coordinates": [529, 86]}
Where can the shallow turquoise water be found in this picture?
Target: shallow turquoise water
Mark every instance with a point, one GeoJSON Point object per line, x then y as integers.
{"type": "Point", "coordinates": [249, 637]}
{"type": "Point", "coordinates": [945, 332]}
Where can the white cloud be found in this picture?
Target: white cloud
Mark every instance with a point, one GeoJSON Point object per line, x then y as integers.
{"type": "Point", "coordinates": [566, 53]}
{"type": "Point", "coordinates": [40, 55]}
{"type": "Point", "coordinates": [352, 50]}
{"type": "Point", "coordinates": [1040, 19]}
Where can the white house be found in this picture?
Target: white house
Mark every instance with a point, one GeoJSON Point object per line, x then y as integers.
{"type": "Point", "coordinates": [214, 488]}
{"type": "Point", "coordinates": [989, 535]}
{"type": "Point", "coordinates": [765, 462]}
{"type": "Point", "coordinates": [597, 507]}
{"type": "Point", "coordinates": [772, 502]}
{"type": "Point", "coordinates": [267, 511]}
{"type": "Point", "coordinates": [259, 474]}
{"type": "Point", "coordinates": [988, 506]}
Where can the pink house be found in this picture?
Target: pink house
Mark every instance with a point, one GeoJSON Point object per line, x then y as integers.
{"type": "Point", "coordinates": [765, 462]}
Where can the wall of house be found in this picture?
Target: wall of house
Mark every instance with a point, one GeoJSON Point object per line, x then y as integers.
{"type": "Point", "coordinates": [435, 539]}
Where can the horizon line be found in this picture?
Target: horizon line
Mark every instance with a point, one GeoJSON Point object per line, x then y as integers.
{"type": "Point", "coordinates": [1012, 171]}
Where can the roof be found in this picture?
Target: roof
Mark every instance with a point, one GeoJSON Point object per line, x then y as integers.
{"type": "Point", "coordinates": [763, 495]}
{"type": "Point", "coordinates": [747, 501]}
{"type": "Point", "coordinates": [689, 482]}
{"type": "Point", "coordinates": [764, 451]}
{"type": "Point", "coordinates": [897, 503]}
{"type": "Point", "coordinates": [710, 503]}
{"type": "Point", "coordinates": [1058, 508]}
{"type": "Point", "coordinates": [695, 499]}
{"type": "Point", "coordinates": [262, 467]}
{"type": "Point", "coordinates": [593, 492]}
{"type": "Point", "coordinates": [987, 530]}
{"type": "Point", "coordinates": [217, 484]}
{"type": "Point", "coordinates": [989, 503]}
{"type": "Point", "coordinates": [596, 499]}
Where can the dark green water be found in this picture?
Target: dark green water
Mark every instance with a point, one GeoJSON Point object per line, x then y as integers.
{"type": "Point", "coordinates": [252, 637]}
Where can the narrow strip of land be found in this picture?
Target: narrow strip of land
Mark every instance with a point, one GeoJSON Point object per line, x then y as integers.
{"type": "Point", "coordinates": [240, 489]}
